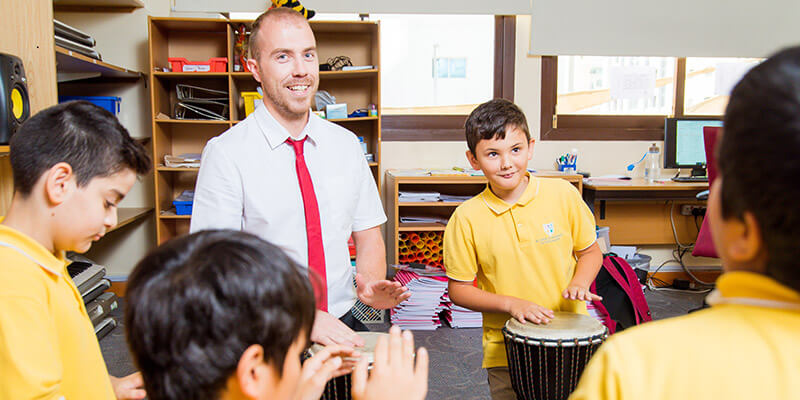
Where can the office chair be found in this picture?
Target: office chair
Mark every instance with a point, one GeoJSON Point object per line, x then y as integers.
{"type": "Point", "coordinates": [704, 246]}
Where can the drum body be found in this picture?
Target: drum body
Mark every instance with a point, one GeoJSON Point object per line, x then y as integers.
{"type": "Point", "coordinates": [546, 361]}
{"type": "Point", "coordinates": [340, 388]}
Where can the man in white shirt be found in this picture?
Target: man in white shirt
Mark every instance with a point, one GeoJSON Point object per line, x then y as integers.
{"type": "Point", "coordinates": [255, 177]}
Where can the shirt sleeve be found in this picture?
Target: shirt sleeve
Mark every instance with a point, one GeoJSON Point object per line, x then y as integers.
{"type": "Point", "coordinates": [218, 198]}
{"type": "Point", "coordinates": [601, 379]}
{"type": "Point", "coordinates": [581, 220]}
{"type": "Point", "coordinates": [460, 255]}
{"type": "Point", "coordinates": [28, 352]}
{"type": "Point", "coordinates": [369, 210]}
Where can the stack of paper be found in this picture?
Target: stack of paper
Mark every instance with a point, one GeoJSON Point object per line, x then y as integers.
{"type": "Point", "coordinates": [423, 219]}
{"type": "Point", "coordinates": [417, 196]}
{"type": "Point", "coordinates": [452, 198]}
{"type": "Point", "coordinates": [421, 310]}
{"type": "Point", "coordinates": [189, 160]}
{"type": "Point", "coordinates": [460, 317]}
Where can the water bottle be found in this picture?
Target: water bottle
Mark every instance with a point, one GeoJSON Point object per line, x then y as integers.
{"type": "Point", "coordinates": [652, 164]}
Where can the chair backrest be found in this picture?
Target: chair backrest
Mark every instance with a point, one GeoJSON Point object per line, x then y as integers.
{"type": "Point", "coordinates": [704, 246]}
{"type": "Point", "coordinates": [710, 134]}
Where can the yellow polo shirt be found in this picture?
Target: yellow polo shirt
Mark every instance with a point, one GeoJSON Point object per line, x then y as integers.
{"type": "Point", "coordinates": [48, 349]}
{"type": "Point", "coordinates": [523, 250]}
{"type": "Point", "coordinates": [744, 347]}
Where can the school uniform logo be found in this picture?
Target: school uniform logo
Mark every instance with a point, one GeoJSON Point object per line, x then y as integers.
{"type": "Point", "coordinates": [550, 235]}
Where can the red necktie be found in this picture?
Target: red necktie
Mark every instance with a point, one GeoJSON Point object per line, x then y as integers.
{"type": "Point", "coordinates": [316, 253]}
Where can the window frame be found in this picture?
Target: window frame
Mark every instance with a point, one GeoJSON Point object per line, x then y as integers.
{"type": "Point", "coordinates": [603, 127]}
{"type": "Point", "coordinates": [450, 128]}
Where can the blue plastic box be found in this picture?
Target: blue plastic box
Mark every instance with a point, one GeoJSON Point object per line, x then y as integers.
{"type": "Point", "coordinates": [183, 203]}
{"type": "Point", "coordinates": [110, 103]}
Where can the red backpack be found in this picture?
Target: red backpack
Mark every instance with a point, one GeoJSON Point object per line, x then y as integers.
{"type": "Point", "coordinates": [623, 304]}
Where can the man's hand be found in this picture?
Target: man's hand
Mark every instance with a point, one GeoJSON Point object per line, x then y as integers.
{"type": "Point", "coordinates": [328, 330]}
{"type": "Point", "coordinates": [333, 361]}
{"type": "Point", "coordinates": [130, 387]}
{"type": "Point", "coordinates": [524, 310]}
{"type": "Point", "coordinates": [577, 292]}
{"type": "Point", "coordinates": [393, 375]}
{"type": "Point", "coordinates": [381, 294]}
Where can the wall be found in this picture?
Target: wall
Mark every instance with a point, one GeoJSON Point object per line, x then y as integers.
{"type": "Point", "coordinates": [597, 157]}
{"type": "Point", "coordinates": [122, 40]}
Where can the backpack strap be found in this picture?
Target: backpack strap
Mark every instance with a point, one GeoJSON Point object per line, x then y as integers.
{"type": "Point", "coordinates": [598, 305]}
{"type": "Point", "coordinates": [630, 284]}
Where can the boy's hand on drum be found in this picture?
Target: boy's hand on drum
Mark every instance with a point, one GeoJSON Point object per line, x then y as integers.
{"type": "Point", "coordinates": [329, 363]}
{"type": "Point", "coordinates": [576, 292]}
{"type": "Point", "coordinates": [524, 310]}
{"type": "Point", "coordinates": [381, 294]}
{"type": "Point", "coordinates": [328, 330]}
{"type": "Point", "coordinates": [393, 375]}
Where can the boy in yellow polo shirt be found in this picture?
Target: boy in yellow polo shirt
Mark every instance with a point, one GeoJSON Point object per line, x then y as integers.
{"type": "Point", "coordinates": [72, 164]}
{"type": "Point", "coordinates": [520, 237]}
{"type": "Point", "coordinates": [746, 345]}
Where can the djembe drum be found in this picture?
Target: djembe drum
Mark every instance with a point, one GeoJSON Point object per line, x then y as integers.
{"type": "Point", "coordinates": [339, 388]}
{"type": "Point", "coordinates": [546, 361]}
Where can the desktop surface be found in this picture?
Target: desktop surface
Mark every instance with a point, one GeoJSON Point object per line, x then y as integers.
{"type": "Point", "coordinates": [690, 179]}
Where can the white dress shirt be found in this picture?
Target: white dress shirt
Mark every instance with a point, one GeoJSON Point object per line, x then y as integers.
{"type": "Point", "coordinates": [248, 181]}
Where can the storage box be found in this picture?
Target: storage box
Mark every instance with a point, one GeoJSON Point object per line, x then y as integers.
{"type": "Point", "coordinates": [110, 103]}
{"type": "Point", "coordinates": [183, 203]}
{"type": "Point", "coordinates": [250, 101]}
{"type": "Point", "coordinates": [214, 64]}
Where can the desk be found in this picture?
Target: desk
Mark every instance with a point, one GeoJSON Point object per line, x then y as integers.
{"type": "Point", "coordinates": [638, 212]}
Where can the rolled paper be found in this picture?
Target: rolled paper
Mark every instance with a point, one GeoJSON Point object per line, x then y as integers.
{"type": "Point", "coordinates": [413, 237]}
{"type": "Point", "coordinates": [403, 236]}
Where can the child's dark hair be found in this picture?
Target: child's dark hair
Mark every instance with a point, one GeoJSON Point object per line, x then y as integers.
{"type": "Point", "coordinates": [87, 137]}
{"type": "Point", "coordinates": [491, 119]}
{"type": "Point", "coordinates": [759, 159]}
{"type": "Point", "coordinates": [195, 304]}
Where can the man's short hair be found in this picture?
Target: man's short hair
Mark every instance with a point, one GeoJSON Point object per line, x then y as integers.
{"type": "Point", "coordinates": [87, 137]}
{"type": "Point", "coordinates": [195, 304]}
{"type": "Point", "coordinates": [272, 13]}
{"type": "Point", "coordinates": [490, 120]}
{"type": "Point", "coordinates": [759, 159]}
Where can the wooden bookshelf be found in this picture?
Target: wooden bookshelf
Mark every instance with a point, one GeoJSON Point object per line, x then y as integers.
{"type": "Point", "coordinates": [72, 66]}
{"type": "Point", "coordinates": [4, 150]}
{"type": "Point", "coordinates": [126, 216]}
{"type": "Point", "coordinates": [202, 39]}
{"type": "Point", "coordinates": [416, 180]}
{"type": "Point", "coordinates": [97, 5]}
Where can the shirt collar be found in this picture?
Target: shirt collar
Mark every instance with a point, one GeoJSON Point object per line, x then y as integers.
{"type": "Point", "coordinates": [749, 288]}
{"type": "Point", "coordinates": [32, 250]}
{"type": "Point", "coordinates": [275, 133]}
{"type": "Point", "coordinates": [499, 206]}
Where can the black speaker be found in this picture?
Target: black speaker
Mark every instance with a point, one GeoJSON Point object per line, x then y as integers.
{"type": "Point", "coordinates": [14, 103]}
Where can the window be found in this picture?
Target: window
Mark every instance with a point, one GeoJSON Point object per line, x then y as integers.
{"type": "Point", "coordinates": [627, 98]}
{"type": "Point", "coordinates": [438, 68]}
{"type": "Point", "coordinates": [436, 64]}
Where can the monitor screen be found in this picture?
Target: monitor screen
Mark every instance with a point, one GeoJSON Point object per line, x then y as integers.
{"type": "Point", "coordinates": [683, 141]}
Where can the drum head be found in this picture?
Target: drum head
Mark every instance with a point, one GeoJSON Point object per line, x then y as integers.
{"type": "Point", "coordinates": [368, 351]}
{"type": "Point", "coordinates": [565, 326]}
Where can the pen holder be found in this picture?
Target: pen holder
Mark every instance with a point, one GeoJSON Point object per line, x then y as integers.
{"type": "Point", "coordinates": [567, 168]}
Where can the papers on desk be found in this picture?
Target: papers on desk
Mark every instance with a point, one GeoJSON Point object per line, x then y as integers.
{"type": "Point", "coordinates": [417, 196]}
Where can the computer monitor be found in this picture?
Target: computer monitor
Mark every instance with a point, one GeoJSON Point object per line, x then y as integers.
{"type": "Point", "coordinates": [683, 143]}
